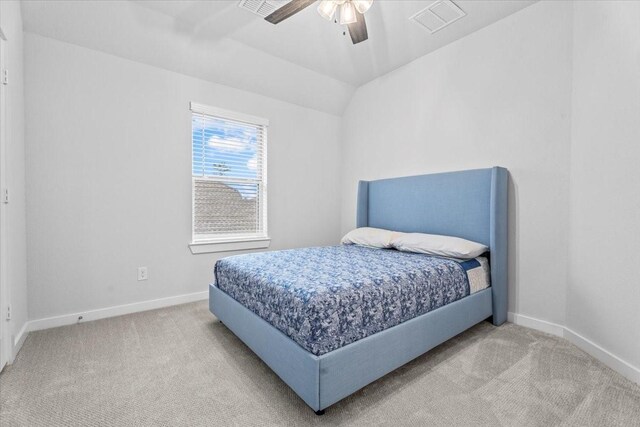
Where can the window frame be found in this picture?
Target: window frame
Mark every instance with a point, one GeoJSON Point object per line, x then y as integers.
{"type": "Point", "coordinates": [244, 241]}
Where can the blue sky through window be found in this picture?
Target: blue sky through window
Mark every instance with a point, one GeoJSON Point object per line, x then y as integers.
{"type": "Point", "coordinates": [226, 149]}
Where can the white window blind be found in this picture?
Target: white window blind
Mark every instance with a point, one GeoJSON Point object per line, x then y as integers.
{"type": "Point", "coordinates": [229, 180]}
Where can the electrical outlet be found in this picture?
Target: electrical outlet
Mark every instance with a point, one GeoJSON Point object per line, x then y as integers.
{"type": "Point", "coordinates": [143, 274]}
{"type": "Point", "coordinates": [9, 312]}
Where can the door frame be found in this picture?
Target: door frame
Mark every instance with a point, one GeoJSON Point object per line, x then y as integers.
{"type": "Point", "coordinates": [5, 333]}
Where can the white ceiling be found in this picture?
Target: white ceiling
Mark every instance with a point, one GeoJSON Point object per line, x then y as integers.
{"type": "Point", "coordinates": [305, 59]}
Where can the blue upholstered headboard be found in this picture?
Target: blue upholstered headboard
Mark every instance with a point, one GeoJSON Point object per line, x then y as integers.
{"type": "Point", "coordinates": [470, 204]}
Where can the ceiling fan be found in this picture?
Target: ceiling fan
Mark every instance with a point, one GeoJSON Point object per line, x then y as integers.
{"type": "Point", "coordinates": [351, 14]}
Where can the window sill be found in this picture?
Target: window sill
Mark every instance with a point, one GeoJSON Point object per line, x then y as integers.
{"type": "Point", "coordinates": [212, 246]}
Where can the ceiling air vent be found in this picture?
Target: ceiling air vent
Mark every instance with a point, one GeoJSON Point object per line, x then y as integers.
{"type": "Point", "coordinates": [438, 15]}
{"type": "Point", "coordinates": [262, 8]}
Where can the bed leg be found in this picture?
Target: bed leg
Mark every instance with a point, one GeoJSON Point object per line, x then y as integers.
{"type": "Point", "coordinates": [320, 412]}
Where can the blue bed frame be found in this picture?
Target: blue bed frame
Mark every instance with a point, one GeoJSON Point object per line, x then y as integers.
{"type": "Point", "coordinates": [469, 204]}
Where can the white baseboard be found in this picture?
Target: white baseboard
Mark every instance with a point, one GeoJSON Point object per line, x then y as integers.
{"type": "Point", "coordinates": [611, 360]}
{"type": "Point", "coordinates": [119, 310]}
{"type": "Point", "coordinates": [19, 340]}
{"type": "Point", "coordinates": [537, 324]}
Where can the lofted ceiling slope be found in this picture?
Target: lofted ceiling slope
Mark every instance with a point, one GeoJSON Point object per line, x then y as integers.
{"type": "Point", "coordinates": [304, 60]}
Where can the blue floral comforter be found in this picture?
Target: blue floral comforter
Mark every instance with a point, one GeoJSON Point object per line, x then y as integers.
{"type": "Point", "coordinates": [327, 297]}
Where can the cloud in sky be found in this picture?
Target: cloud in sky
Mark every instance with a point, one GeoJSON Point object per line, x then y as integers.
{"type": "Point", "coordinates": [227, 144]}
{"type": "Point", "coordinates": [252, 163]}
{"type": "Point", "coordinates": [224, 135]}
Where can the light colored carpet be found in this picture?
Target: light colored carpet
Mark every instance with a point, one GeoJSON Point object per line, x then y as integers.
{"type": "Point", "coordinates": [179, 366]}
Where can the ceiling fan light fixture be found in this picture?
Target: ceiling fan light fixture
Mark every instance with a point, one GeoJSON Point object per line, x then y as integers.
{"type": "Point", "coordinates": [327, 8]}
{"type": "Point", "coordinates": [347, 13]}
{"type": "Point", "coordinates": [362, 5]}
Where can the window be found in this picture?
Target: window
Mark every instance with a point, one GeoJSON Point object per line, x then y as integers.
{"type": "Point", "coordinates": [229, 180]}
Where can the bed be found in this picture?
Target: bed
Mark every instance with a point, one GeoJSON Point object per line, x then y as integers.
{"type": "Point", "coordinates": [331, 320]}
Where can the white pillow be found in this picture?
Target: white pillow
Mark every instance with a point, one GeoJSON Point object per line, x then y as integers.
{"type": "Point", "coordinates": [433, 244]}
{"type": "Point", "coordinates": [368, 236]}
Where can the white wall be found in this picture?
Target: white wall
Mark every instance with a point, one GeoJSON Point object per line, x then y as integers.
{"type": "Point", "coordinates": [500, 96]}
{"type": "Point", "coordinates": [16, 274]}
{"type": "Point", "coordinates": [109, 177]}
{"type": "Point", "coordinates": [603, 300]}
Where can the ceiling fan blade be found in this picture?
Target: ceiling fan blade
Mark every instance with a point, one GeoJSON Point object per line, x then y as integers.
{"type": "Point", "coordinates": [288, 10]}
{"type": "Point", "coordinates": [358, 30]}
